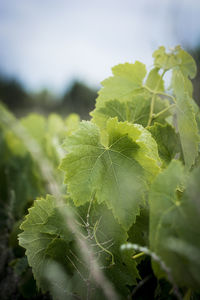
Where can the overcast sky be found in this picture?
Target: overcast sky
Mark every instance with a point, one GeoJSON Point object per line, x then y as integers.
{"type": "Point", "coordinates": [48, 43]}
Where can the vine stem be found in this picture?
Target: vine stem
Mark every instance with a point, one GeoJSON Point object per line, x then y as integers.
{"type": "Point", "coordinates": [160, 93]}
{"type": "Point", "coordinates": [100, 246]}
{"type": "Point", "coordinates": [153, 98]}
{"type": "Point", "coordinates": [151, 109]}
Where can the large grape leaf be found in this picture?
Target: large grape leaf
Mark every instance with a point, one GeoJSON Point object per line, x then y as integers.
{"type": "Point", "coordinates": [174, 224]}
{"type": "Point", "coordinates": [187, 125]}
{"type": "Point", "coordinates": [49, 244]}
{"type": "Point", "coordinates": [116, 174]}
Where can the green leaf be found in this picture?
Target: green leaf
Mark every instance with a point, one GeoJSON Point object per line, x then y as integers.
{"type": "Point", "coordinates": [153, 79]}
{"type": "Point", "coordinates": [48, 244]}
{"type": "Point", "coordinates": [134, 111]}
{"type": "Point", "coordinates": [177, 59]}
{"type": "Point", "coordinates": [187, 66]}
{"type": "Point", "coordinates": [167, 140]}
{"type": "Point", "coordinates": [126, 79]}
{"type": "Point", "coordinates": [174, 224]}
{"type": "Point", "coordinates": [165, 60]}
{"type": "Point", "coordinates": [43, 228]}
{"type": "Point", "coordinates": [187, 125]}
{"type": "Point", "coordinates": [116, 174]}
{"type": "Point", "coordinates": [110, 235]}
{"type": "Point", "coordinates": [139, 232]}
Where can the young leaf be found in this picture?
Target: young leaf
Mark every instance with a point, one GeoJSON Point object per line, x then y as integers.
{"type": "Point", "coordinates": [127, 78]}
{"type": "Point", "coordinates": [166, 61]}
{"type": "Point", "coordinates": [177, 58]}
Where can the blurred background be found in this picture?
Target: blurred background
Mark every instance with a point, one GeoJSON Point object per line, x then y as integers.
{"type": "Point", "coordinates": [54, 54]}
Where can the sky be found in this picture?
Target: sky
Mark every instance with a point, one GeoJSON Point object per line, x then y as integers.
{"type": "Point", "coordinates": [48, 43]}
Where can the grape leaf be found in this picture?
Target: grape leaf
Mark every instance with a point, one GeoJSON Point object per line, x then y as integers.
{"type": "Point", "coordinates": [116, 174]}
{"type": "Point", "coordinates": [177, 58]}
{"type": "Point", "coordinates": [166, 61]}
{"type": "Point", "coordinates": [42, 229]}
{"type": "Point", "coordinates": [153, 79]}
{"type": "Point", "coordinates": [167, 140]}
{"type": "Point", "coordinates": [174, 224]}
{"type": "Point", "coordinates": [188, 66]}
{"type": "Point", "coordinates": [47, 241]}
{"type": "Point", "coordinates": [187, 125]}
{"type": "Point", "coordinates": [127, 78]}
{"type": "Point", "coordinates": [139, 232]}
{"type": "Point", "coordinates": [135, 110]}
{"type": "Point", "coordinates": [109, 234]}
{"type": "Point", "coordinates": [126, 81]}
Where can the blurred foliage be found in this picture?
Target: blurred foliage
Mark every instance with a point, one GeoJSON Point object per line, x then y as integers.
{"type": "Point", "coordinates": [21, 181]}
{"type": "Point", "coordinates": [78, 98]}
{"type": "Point", "coordinates": [196, 81]}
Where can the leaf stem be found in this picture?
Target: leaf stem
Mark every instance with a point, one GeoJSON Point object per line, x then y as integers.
{"type": "Point", "coordinates": [104, 249]}
{"type": "Point", "coordinates": [160, 93]}
{"type": "Point", "coordinates": [163, 111]}
{"type": "Point", "coordinates": [151, 109]}
{"type": "Point", "coordinates": [138, 255]}
{"type": "Point", "coordinates": [154, 93]}
{"type": "Point", "coordinates": [153, 99]}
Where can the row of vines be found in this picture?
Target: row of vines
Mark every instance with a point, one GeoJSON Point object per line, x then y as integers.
{"type": "Point", "coordinates": [107, 208]}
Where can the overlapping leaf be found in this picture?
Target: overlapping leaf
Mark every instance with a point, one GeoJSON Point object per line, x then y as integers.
{"type": "Point", "coordinates": [154, 80]}
{"type": "Point", "coordinates": [174, 224]}
{"type": "Point", "coordinates": [187, 125]}
{"type": "Point", "coordinates": [167, 140]}
{"type": "Point", "coordinates": [134, 111]}
{"type": "Point", "coordinates": [45, 237]}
